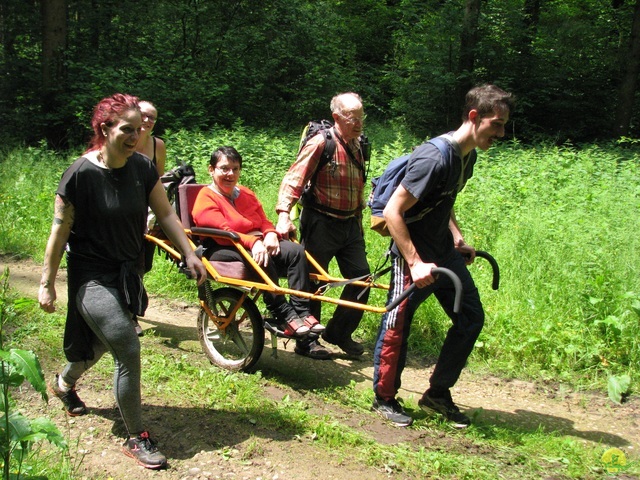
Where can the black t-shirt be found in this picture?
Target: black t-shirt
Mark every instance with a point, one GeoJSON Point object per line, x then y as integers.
{"type": "Point", "coordinates": [435, 181]}
{"type": "Point", "coordinates": [110, 208]}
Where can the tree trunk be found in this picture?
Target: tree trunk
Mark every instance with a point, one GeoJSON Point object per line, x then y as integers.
{"type": "Point", "coordinates": [54, 38]}
{"type": "Point", "coordinates": [629, 81]}
{"type": "Point", "coordinates": [531, 18]}
{"type": "Point", "coordinates": [468, 43]}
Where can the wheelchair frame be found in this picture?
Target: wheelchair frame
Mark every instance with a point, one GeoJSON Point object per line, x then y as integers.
{"type": "Point", "coordinates": [231, 328]}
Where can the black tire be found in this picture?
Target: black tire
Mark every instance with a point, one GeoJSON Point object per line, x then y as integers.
{"type": "Point", "coordinates": [239, 346]}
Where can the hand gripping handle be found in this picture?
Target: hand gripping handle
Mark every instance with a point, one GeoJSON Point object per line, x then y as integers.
{"type": "Point", "coordinates": [456, 283]}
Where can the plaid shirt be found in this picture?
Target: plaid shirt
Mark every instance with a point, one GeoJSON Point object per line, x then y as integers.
{"type": "Point", "coordinates": [339, 184]}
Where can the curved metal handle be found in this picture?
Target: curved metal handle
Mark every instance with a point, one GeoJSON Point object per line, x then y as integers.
{"type": "Point", "coordinates": [494, 265]}
{"type": "Point", "coordinates": [456, 283]}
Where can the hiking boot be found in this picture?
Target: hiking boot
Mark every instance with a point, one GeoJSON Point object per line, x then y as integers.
{"type": "Point", "coordinates": [392, 410]}
{"type": "Point", "coordinates": [314, 325]}
{"type": "Point", "coordinates": [349, 346]}
{"type": "Point", "coordinates": [144, 451]}
{"type": "Point", "coordinates": [312, 349]}
{"type": "Point", "coordinates": [444, 406]}
{"type": "Point", "coordinates": [72, 403]}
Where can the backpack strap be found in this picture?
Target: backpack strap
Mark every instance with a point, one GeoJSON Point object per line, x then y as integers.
{"type": "Point", "coordinates": [327, 153]}
{"type": "Point", "coordinates": [353, 158]}
{"type": "Point", "coordinates": [330, 149]}
{"type": "Point", "coordinates": [325, 158]}
{"type": "Point", "coordinates": [445, 146]}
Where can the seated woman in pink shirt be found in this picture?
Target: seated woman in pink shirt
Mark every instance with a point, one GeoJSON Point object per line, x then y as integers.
{"type": "Point", "coordinates": [228, 206]}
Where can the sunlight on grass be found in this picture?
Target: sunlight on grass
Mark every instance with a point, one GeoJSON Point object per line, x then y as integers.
{"type": "Point", "coordinates": [561, 222]}
{"type": "Point", "coordinates": [486, 450]}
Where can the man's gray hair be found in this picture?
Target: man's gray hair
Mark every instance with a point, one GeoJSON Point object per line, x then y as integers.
{"type": "Point", "coordinates": [337, 102]}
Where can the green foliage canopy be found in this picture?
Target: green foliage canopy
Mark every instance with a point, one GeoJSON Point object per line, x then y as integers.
{"type": "Point", "coordinates": [212, 62]}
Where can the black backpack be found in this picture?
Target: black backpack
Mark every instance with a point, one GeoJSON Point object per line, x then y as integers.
{"type": "Point", "coordinates": [171, 180]}
{"type": "Point", "coordinates": [183, 173]}
{"type": "Point", "coordinates": [323, 127]}
{"type": "Point", "coordinates": [311, 130]}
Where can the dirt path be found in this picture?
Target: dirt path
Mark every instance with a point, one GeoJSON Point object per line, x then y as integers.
{"type": "Point", "coordinates": [197, 452]}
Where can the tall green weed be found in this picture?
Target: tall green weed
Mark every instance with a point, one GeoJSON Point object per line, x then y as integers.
{"type": "Point", "coordinates": [29, 178]}
{"type": "Point", "coordinates": [560, 220]}
{"type": "Point", "coordinates": [19, 433]}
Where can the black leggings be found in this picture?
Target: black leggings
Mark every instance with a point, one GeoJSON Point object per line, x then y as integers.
{"type": "Point", "coordinates": [108, 317]}
{"type": "Point", "coordinates": [291, 262]}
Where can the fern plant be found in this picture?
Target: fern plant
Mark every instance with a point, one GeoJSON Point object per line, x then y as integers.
{"type": "Point", "coordinates": [17, 432]}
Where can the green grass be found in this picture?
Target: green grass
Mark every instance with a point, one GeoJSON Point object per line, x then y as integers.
{"type": "Point", "coordinates": [491, 448]}
{"type": "Point", "coordinates": [562, 223]}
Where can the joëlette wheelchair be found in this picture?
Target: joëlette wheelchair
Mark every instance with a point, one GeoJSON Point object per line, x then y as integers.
{"type": "Point", "coordinates": [231, 328]}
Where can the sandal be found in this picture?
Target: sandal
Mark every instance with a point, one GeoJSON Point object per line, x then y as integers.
{"type": "Point", "coordinates": [314, 325]}
{"type": "Point", "coordinates": [296, 328]}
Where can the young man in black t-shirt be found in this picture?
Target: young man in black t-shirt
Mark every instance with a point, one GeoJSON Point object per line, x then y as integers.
{"type": "Point", "coordinates": [435, 240]}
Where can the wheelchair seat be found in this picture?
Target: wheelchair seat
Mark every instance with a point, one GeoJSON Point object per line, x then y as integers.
{"type": "Point", "coordinates": [187, 194]}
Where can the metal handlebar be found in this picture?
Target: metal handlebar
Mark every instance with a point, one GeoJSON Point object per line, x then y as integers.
{"type": "Point", "coordinates": [494, 266]}
{"type": "Point", "coordinates": [216, 232]}
{"type": "Point", "coordinates": [456, 283]}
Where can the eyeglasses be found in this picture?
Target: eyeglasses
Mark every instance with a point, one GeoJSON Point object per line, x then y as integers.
{"type": "Point", "coordinates": [149, 118]}
{"type": "Point", "coordinates": [353, 120]}
{"type": "Point", "coordinates": [226, 170]}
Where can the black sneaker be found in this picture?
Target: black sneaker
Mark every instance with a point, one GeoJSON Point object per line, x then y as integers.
{"type": "Point", "coordinates": [312, 349]}
{"type": "Point", "coordinates": [144, 451]}
{"type": "Point", "coordinates": [349, 346]}
{"type": "Point", "coordinates": [392, 410]}
{"type": "Point", "coordinates": [444, 406]}
{"type": "Point", "coordinates": [72, 403]}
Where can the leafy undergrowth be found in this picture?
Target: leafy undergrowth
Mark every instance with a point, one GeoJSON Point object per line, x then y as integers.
{"type": "Point", "coordinates": [559, 220]}
{"type": "Point", "coordinates": [295, 418]}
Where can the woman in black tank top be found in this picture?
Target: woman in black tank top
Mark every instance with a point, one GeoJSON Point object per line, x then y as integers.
{"type": "Point", "coordinates": [152, 147]}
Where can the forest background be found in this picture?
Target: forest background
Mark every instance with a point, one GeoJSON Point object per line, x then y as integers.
{"type": "Point", "coordinates": [573, 64]}
{"type": "Point", "coordinates": [556, 203]}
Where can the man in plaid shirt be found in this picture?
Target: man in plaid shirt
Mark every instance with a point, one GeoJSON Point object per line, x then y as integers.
{"type": "Point", "coordinates": [331, 222]}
